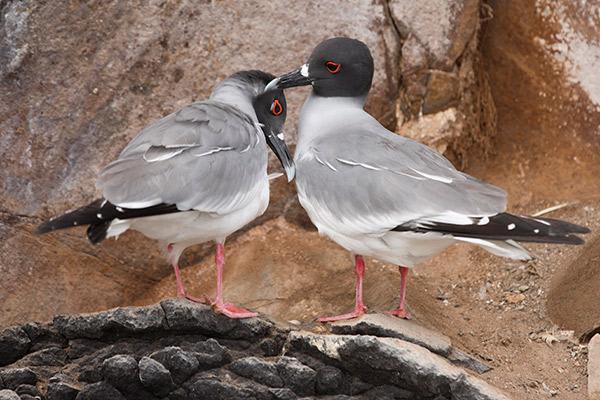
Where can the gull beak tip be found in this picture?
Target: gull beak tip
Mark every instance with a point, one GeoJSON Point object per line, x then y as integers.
{"type": "Point", "coordinates": [290, 172]}
{"type": "Point", "coordinates": [272, 85]}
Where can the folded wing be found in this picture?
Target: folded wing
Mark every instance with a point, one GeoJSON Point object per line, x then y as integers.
{"type": "Point", "coordinates": [208, 156]}
{"type": "Point", "coordinates": [369, 181]}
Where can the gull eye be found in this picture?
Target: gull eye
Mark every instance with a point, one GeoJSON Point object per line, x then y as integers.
{"type": "Point", "coordinates": [276, 108]}
{"type": "Point", "coordinates": [333, 67]}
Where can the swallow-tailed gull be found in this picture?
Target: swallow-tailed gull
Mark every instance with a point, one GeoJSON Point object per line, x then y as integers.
{"type": "Point", "coordinates": [379, 194]}
{"type": "Point", "coordinates": [196, 175]}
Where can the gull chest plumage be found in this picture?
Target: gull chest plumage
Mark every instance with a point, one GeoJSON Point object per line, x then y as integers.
{"type": "Point", "coordinates": [196, 175]}
{"type": "Point", "coordinates": [379, 194]}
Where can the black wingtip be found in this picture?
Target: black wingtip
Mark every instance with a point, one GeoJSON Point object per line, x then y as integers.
{"type": "Point", "coordinates": [574, 239]}
{"type": "Point", "coordinates": [43, 228]}
{"type": "Point", "coordinates": [506, 226]}
{"type": "Point", "coordinates": [564, 225]}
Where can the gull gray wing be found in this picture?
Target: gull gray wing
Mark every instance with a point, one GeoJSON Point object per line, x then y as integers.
{"type": "Point", "coordinates": [207, 156]}
{"type": "Point", "coordinates": [368, 180]}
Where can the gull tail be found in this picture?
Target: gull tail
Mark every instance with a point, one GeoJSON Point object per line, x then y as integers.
{"type": "Point", "coordinates": [98, 216]}
{"type": "Point", "coordinates": [500, 233]}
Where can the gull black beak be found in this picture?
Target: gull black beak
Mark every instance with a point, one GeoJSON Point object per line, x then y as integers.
{"type": "Point", "coordinates": [280, 149]}
{"type": "Point", "coordinates": [298, 77]}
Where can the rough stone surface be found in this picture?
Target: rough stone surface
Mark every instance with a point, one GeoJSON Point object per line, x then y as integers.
{"type": "Point", "coordinates": [445, 99]}
{"type": "Point", "coordinates": [99, 391]}
{"type": "Point", "coordinates": [387, 326]}
{"type": "Point", "coordinates": [6, 394]}
{"type": "Point", "coordinates": [13, 377]}
{"type": "Point", "coordinates": [593, 368]}
{"type": "Point", "coordinates": [121, 371]}
{"type": "Point", "coordinates": [181, 364]}
{"type": "Point", "coordinates": [120, 321]}
{"type": "Point", "coordinates": [258, 370]}
{"type": "Point", "coordinates": [184, 315]}
{"type": "Point", "coordinates": [14, 343]}
{"type": "Point", "coordinates": [329, 380]}
{"type": "Point", "coordinates": [180, 361]}
{"type": "Point", "coordinates": [155, 376]}
{"type": "Point", "coordinates": [61, 391]}
{"type": "Point", "coordinates": [459, 357]}
{"type": "Point", "coordinates": [297, 376]}
{"type": "Point", "coordinates": [210, 354]}
{"type": "Point", "coordinates": [30, 390]}
{"type": "Point", "coordinates": [398, 363]}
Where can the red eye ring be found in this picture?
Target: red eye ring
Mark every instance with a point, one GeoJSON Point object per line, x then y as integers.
{"type": "Point", "coordinates": [276, 108]}
{"type": "Point", "coordinates": [333, 67]}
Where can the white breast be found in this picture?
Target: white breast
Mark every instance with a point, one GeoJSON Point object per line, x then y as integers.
{"type": "Point", "coordinates": [193, 227]}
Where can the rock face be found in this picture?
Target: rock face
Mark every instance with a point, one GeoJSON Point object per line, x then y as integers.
{"type": "Point", "coordinates": [444, 100]}
{"type": "Point", "coordinates": [161, 354]}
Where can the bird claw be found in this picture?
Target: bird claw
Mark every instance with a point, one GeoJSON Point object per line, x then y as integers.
{"type": "Point", "coordinates": [351, 315]}
{"type": "Point", "coordinates": [400, 313]}
{"type": "Point", "coordinates": [233, 311]}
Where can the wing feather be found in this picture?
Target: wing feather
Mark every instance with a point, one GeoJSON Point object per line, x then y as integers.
{"type": "Point", "coordinates": [371, 180]}
{"type": "Point", "coordinates": [207, 156]}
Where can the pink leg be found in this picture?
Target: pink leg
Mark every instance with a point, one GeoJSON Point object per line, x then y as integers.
{"type": "Point", "coordinates": [181, 293]}
{"type": "Point", "coordinates": [231, 310]}
{"type": "Point", "coordinates": [401, 310]}
{"type": "Point", "coordinates": [359, 306]}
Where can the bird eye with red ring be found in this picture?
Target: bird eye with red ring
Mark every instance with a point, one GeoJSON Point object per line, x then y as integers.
{"type": "Point", "coordinates": [333, 67]}
{"type": "Point", "coordinates": [276, 108]}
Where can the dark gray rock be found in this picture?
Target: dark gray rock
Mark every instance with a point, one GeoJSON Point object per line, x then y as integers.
{"type": "Point", "coordinates": [13, 377]}
{"type": "Point", "coordinates": [297, 376]}
{"type": "Point", "coordinates": [99, 391]}
{"type": "Point", "coordinates": [52, 356]}
{"type": "Point", "coordinates": [28, 389]}
{"type": "Point", "coordinates": [258, 370]}
{"type": "Point", "coordinates": [116, 322]}
{"type": "Point", "coordinates": [121, 371]}
{"type": "Point", "coordinates": [42, 336]}
{"type": "Point", "coordinates": [388, 326]}
{"type": "Point", "coordinates": [271, 347]}
{"type": "Point", "coordinates": [14, 344]}
{"type": "Point", "coordinates": [89, 374]}
{"type": "Point", "coordinates": [179, 394]}
{"type": "Point", "coordinates": [209, 388]}
{"type": "Point", "coordinates": [29, 397]}
{"type": "Point", "coordinates": [388, 361]}
{"type": "Point", "coordinates": [329, 380]}
{"type": "Point", "coordinates": [80, 347]}
{"type": "Point", "coordinates": [211, 354]}
{"type": "Point", "coordinates": [58, 390]}
{"type": "Point", "coordinates": [182, 364]}
{"type": "Point", "coordinates": [184, 315]}
{"type": "Point", "coordinates": [459, 357]}
{"type": "Point", "coordinates": [6, 394]}
{"type": "Point", "coordinates": [155, 377]}
{"type": "Point", "coordinates": [388, 392]}
{"type": "Point", "coordinates": [283, 394]}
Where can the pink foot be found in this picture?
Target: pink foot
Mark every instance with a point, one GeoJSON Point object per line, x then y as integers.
{"type": "Point", "coordinates": [400, 313]}
{"type": "Point", "coordinates": [233, 311]}
{"type": "Point", "coordinates": [354, 314]}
